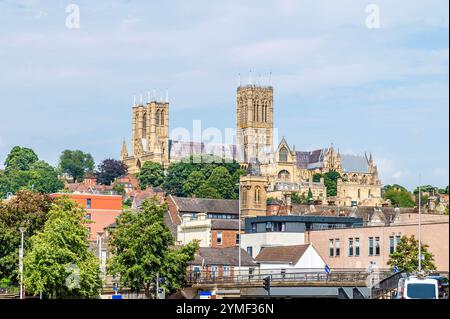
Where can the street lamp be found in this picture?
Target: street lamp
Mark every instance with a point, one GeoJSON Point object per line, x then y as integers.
{"type": "Point", "coordinates": [100, 257]}
{"type": "Point", "coordinates": [22, 231]}
{"type": "Point", "coordinates": [239, 230]}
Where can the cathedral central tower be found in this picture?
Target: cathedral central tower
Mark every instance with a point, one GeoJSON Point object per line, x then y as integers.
{"type": "Point", "coordinates": [254, 130]}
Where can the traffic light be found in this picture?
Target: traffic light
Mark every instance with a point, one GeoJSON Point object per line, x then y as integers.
{"type": "Point", "coordinates": [266, 281]}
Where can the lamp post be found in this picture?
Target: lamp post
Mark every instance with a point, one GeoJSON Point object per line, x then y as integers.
{"type": "Point", "coordinates": [420, 227]}
{"type": "Point", "coordinates": [239, 230]}
{"type": "Point", "coordinates": [22, 231]}
{"type": "Point", "coordinates": [100, 256]}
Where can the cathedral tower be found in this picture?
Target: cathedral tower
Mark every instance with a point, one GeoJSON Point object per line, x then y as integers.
{"type": "Point", "coordinates": [254, 111]}
{"type": "Point", "coordinates": [150, 134]}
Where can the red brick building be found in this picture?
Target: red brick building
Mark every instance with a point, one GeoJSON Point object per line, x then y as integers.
{"type": "Point", "coordinates": [101, 210]}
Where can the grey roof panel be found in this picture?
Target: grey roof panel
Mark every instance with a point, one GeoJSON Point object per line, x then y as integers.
{"type": "Point", "coordinates": [354, 164]}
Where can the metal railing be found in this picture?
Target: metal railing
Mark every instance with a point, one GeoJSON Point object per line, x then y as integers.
{"type": "Point", "coordinates": [290, 275]}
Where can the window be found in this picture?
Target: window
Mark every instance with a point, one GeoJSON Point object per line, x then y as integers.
{"type": "Point", "coordinates": [337, 246]}
{"type": "Point", "coordinates": [284, 175]}
{"type": "Point", "coordinates": [213, 272]}
{"type": "Point", "coordinates": [257, 196]}
{"type": "Point", "coordinates": [391, 245]}
{"type": "Point", "coordinates": [356, 246]}
{"type": "Point", "coordinates": [377, 246]}
{"type": "Point", "coordinates": [88, 203]}
{"type": "Point", "coordinates": [350, 247]}
{"type": "Point", "coordinates": [359, 193]}
{"type": "Point", "coordinates": [275, 227]}
{"type": "Point", "coordinates": [219, 238]}
{"type": "Point", "coordinates": [250, 251]}
{"type": "Point", "coordinates": [237, 239]}
{"type": "Point", "coordinates": [244, 198]}
{"type": "Point", "coordinates": [162, 118]}
{"type": "Point", "coordinates": [88, 216]}
{"type": "Point", "coordinates": [144, 125]}
{"type": "Point", "coordinates": [158, 117]}
{"type": "Point", "coordinates": [331, 247]}
{"type": "Point", "coordinates": [283, 155]}
{"type": "Point", "coordinates": [254, 227]}
{"type": "Point", "coordinates": [226, 271]}
{"type": "Point", "coordinates": [397, 239]}
{"type": "Point", "coordinates": [370, 246]}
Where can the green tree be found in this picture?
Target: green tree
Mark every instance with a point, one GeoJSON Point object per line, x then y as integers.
{"type": "Point", "coordinates": [60, 263]}
{"type": "Point", "coordinates": [178, 173]}
{"type": "Point", "coordinates": [406, 255]}
{"type": "Point", "coordinates": [297, 199]}
{"type": "Point", "coordinates": [44, 178]}
{"type": "Point", "coordinates": [76, 164]}
{"type": "Point", "coordinates": [120, 189]}
{"type": "Point", "coordinates": [310, 194]}
{"type": "Point", "coordinates": [142, 247]}
{"type": "Point", "coordinates": [222, 181]}
{"type": "Point", "coordinates": [194, 181]}
{"type": "Point", "coordinates": [26, 209]}
{"type": "Point", "coordinates": [330, 180]}
{"type": "Point", "coordinates": [25, 171]}
{"type": "Point", "coordinates": [398, 195]}
{"type": "Point", "coordinates": [206, 191]}
{"type": "Point", "coordinates": [20, 158]}
{"type": "Point", "coordinates": [151, 174]}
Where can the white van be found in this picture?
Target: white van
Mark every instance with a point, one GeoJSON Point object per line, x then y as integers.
{"type": "Point", "coordinates": [415, 287]}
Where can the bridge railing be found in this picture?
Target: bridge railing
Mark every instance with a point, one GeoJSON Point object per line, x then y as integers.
{"type": "Point", "coordinates": [291, 275]}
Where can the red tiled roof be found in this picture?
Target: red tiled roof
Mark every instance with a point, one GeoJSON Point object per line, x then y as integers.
{"type": "Point", "coordinates": [281, 254]}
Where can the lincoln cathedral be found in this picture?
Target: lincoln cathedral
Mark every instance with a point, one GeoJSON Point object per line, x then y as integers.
{"type": "Point", "coordinates": [284, 170]}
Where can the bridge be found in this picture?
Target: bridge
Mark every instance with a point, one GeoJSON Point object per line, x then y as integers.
{"type": "Point", "coordinates": [296, 283]}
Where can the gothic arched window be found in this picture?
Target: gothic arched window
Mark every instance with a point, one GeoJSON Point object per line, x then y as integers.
{"type": "Point", "coordinates": [144, 125]}
{"type": "Point", "coordinates": [254, 111]}
{"type": "Point", "coordinates": [284, 175]}
{"type": "Point", "coordinates": [283, 155]}
{"type": "Point", "coordinates": [257, 196]}
{"type": "Point", "coordinates": [244, 197]}
{"type": "Point", "coordinates": [162, 117]}
{"type": "Point", "coordinates": [158, 117]}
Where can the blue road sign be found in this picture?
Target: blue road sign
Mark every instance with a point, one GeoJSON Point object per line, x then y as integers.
{"type": "Point", "coordinates": [116, 297]}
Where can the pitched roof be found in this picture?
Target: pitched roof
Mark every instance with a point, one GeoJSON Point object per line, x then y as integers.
{"type": "Point", "coordinates": [179, 150]}
{"type": "Point", "coordinates": [140, 196]}
{"type": "Point", "coordinates": [226, 224]}
{"type": "Point", "coordinates": [310, 160]}
{"type": "Point", "coordinates": [354, 164]}
{"type": "Point", "coordinates": [204, 205]}
{"type": "Point", "coordinates": [228, 256]}
{"type": "Point", "coordinates": [281, 254]}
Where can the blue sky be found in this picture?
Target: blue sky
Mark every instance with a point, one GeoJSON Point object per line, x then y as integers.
{"type": "Point", "coordinates": [336, 81]}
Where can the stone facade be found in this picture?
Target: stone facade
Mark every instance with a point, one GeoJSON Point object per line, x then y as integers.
{"type": "Point", "coordinates": [150, 135]}
{"type": "Point", "coordinates": [287, 170]}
